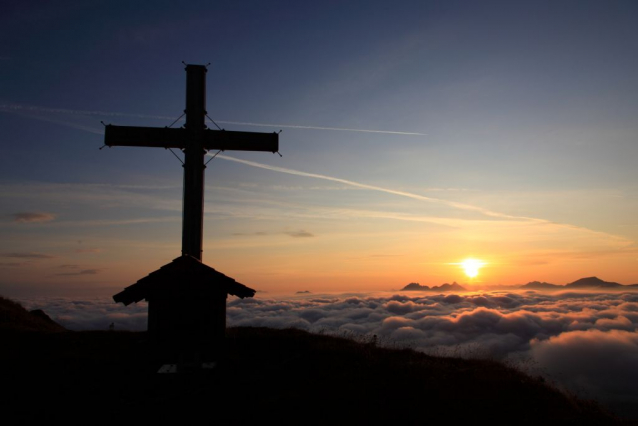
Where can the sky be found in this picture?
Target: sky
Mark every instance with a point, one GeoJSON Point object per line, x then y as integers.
{"type": "Point", "coordinates": [415, 134]}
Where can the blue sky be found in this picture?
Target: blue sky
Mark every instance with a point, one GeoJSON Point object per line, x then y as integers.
{"type": "Point", "coordinates": [524, 109]}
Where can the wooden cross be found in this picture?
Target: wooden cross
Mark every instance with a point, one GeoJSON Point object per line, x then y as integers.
{"type": "Point", "coordinates": [195, 140]}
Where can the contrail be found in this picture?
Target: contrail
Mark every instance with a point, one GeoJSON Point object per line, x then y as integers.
{"type": "Point", "coordinates": [340, 129]}
{"type": "Point", "coordinates": [469, 207]}
{"type": "Point", "coordinates": [97, 131]}
{"type": "Point", "coordinates": [378, 188]}
{"type": "Point", "coordinates": [30, 108]}
{"type": "Point", "coordinates": [25, 108]}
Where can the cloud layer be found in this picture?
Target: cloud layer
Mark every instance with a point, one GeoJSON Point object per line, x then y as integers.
{"type": "Point", "coordinates": [584, 341]}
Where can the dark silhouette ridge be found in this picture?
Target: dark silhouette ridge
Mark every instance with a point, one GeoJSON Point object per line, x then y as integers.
{"type": "Point", "coordinates": [187, 307]}
{"type": "Point", "coordinates": [449, 287]}
{"type": "Point", "coordinates": [592, 282]}
{"type": "Point", "coordinates": [39, 313]}
{"type": "Point", "coordinates": [14, 317]}
{"type": "Point", "coordinates": [268, 376]}
{"type": "Point", "coordinates": [537, 285]}
{"type": "Point", "coordinates": [415, 286]}
{"type": "Point", "coordinates": [442, 288]}
{"type": "Point", "coordinates": [589, 283]}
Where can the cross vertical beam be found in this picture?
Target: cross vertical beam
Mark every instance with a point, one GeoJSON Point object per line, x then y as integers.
{"type": "Point", "coordinates": [193, 208]}
{"type": "Point", "coordinates": [194, 140]}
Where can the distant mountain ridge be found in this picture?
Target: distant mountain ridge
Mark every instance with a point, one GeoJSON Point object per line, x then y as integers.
{"type": "Point", "coordinates": [583, 283]}
{"type": "Point", "coordinates": [537, 285]}
{"type": "Point", "coordinates": [443, 287]}
{"type": "Point", "coordinates": [592, 282]}
{"type": "Point", "coordinates": [589, 283]}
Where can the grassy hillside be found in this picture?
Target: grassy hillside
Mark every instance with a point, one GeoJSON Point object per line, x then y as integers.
{"type": "Point", "coordinates": [13, 317]}
{"type": "Point", "coordinates": [287, 376]}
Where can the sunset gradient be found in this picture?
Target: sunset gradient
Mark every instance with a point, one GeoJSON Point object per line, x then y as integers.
{"type": "Point", "coordinates": [414, 136]}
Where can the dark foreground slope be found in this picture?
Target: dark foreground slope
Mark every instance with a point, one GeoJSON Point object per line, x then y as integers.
{"type": "Point", "coordinates": [13, 317]}
{"type": "Point", "coordinates": [285, 376]}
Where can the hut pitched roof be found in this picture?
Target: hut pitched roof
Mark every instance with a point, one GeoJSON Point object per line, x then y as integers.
{"type": "Point", "coordinates": [183, 276]}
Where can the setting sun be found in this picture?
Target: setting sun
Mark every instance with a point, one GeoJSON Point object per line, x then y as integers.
{"type": "Point", "coordinates": [472, 266]}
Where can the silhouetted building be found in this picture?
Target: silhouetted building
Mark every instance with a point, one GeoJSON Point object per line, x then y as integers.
{"type": "Point", "coordinates": [186, 305]}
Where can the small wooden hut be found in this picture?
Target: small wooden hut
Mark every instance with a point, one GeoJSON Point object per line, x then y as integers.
{"type": "Point", "coordinates": [186, 305]}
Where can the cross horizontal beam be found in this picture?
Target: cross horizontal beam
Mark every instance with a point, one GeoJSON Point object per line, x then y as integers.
{"type": "Point", "coordinates": [164, 137]}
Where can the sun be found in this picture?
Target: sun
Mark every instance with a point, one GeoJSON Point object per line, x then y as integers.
{"type": "Point", "coordinates": [471, 267]}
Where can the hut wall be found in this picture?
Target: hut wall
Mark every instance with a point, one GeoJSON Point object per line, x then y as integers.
{"type": "Point", "coordinates": [189, 321]}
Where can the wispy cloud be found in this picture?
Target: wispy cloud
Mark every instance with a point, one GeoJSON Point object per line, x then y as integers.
{"type": "Point", "coordinates": [32, 217]}
{"type": "Point", "coordinates": [88, 250]}
{"type": "Point", "coordinates": [108, 196]}
{"type": "Point", "coordinates": [299, 234]}
{"type": "Point", "coordinates": [82, 272]}
{"type": "Point", "coordinates": [295, 234]}
{"type": "Point", "coordinates": [121, 222]}
{"type": "Point", "coordinates": [28, 255]}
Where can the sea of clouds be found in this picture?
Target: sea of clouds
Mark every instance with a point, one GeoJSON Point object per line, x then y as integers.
{"type": "Point", "coordinates": [586, 342]}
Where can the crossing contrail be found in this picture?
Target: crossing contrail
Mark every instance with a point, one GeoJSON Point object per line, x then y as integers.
{"type": "Point", "coordinates": [340, 129]}
{"type": "Point", "coordinates": [454, 204]}
{"type": "Point", "coordinates": [36, 109]}
{"type": "Point", "coordinates": [96, 130]}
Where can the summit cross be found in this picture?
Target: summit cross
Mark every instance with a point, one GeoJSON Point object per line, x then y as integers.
{"type": "Point", "coordinates": [195, 140]}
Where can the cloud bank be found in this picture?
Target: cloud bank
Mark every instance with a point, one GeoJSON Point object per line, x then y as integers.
{"type": "Point", "coordinates": [32, 217]}
{"type": "Point", "coordinates": [90, 314]}
{"type": "Point", "coordinates": [586, 342]}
